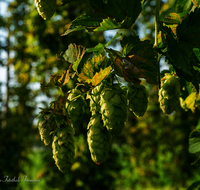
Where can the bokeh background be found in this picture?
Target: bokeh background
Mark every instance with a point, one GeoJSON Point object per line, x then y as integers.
{"type": "Point", "coordinates": [151, 152]}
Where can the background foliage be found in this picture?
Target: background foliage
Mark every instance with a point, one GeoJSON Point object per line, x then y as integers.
{"type": "Point", "coordinates": [151, 152]}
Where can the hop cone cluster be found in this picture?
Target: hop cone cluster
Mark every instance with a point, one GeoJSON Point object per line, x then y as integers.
{"type": "Point", "coordinates": [169, 93]}
{"type": "Point", "coordinates": [46, 125]}
{"type": "Point", "coordinates": [75, 106]}
{"type": "Point", "coordinates": [113, 108]}
{"type": "Point", "coordinates": [46, 8]}
{"type": "Point", "coordinates": [98, 139]}
{"type": "Point", "coordinates": [64, 147]}
{"type": "Point", "coordinates": [137, 99]}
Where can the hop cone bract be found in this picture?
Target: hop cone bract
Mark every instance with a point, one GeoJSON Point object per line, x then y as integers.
{"type": "Point", "coordinates": [46, 8]}
{"type": "Point", "coordinates": [137, 99]}
{"type": "Point", "coordinates": [113, 108]}
{"type": "Point", "coordinates": [169, 93]}
{"type": "Point", "coordinates": [46, 125]}
{"type": "Point", "coordinates": [98, 139]}
{"type": "Point", "coordinates": [64, 147]}
{"type": "Point", "coordinates": [75, 106]}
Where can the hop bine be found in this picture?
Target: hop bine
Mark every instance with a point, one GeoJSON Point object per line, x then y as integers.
{"type": "Point", "coordinates": [64, 147]}
{"type": "Point", "coordinates": [137, 99]}
{"type": "Point", "coordinates": [46, 8]}
{"type": "Point", "coordinates": [169, 93]}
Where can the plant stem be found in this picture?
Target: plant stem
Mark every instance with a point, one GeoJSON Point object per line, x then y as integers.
{"type": "Point", "coordinates": [156, 36]}
{"type": "Point", "coordinates": [156, 22]}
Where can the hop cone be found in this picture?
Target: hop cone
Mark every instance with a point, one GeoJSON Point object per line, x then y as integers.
{"type": "Point", "coordinates": [113, 108]}
{"type": "Point", "coordinates": [64, 147]}
{"type": "Point", "coordinates": [75, 106]}
{"type": "Point", "coordinates": [95, 99]}
{"type": "Point", "coordinates": [98, 139]}
{"type": "Point", "coordinates": [169, 93]}
{"type": "Point", "coordinates": [137, 99]}
{"type": "Point", "coordinates": [46, 8]}
{"type": "Point", "coordinates": [46, 125]}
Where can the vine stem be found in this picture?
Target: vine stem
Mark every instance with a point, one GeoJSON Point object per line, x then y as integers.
{"type": "Point", "coordinates": [156, 22]}
{"type": "Point", "coordinates": [156, 36]}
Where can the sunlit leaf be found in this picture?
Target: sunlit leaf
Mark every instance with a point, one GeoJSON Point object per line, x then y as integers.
{"type": "Point", "coordinates": [74, 55]}
{"type": "Point", "coordinates": [95, 70]}
{"type": "Point", "coordinates": [196, 3]}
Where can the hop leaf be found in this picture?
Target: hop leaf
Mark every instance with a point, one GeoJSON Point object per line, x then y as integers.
{"type": "Point", "coordinates": [137, 97]}
{"type": "Point", "coordinates": [169, 93]}
{"type": "Point", "coordinates": [63, 147]}
{"type": "Point", "coordinates": [46, 8]}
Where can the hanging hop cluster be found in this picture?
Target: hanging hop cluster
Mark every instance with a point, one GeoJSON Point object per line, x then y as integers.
{"type": "Point", "coordinates": [64, 147]}
{"type": "Point", "coordinates": [113, 104]}
{"type": "Point", "coordinates": [98, 139]}
{"type": "Point", "coordinates": [46, 124]}
{"type": "Point", "coordinates": [169, 93]}
{"type": "Point", "coordinates": [75, 106]}
{"type": "Point", "coordinates": [46, 8]}
{"type": "Point", "coordinates": [137, 99]}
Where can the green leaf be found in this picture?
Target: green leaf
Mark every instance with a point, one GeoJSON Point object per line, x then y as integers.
{"type": "Point", "coordinates": [74, 54]}
{"type": "Point", "coordinates": [118, 9]}
{"type": "Point", "coordinates": [194, 185]}
{"type": "Point", "coordinates": [140, 58]}
{"type": "Point", "coordinates": [173, 18]}
{"type": "Point", "coordinates": [196, 3]}
{"type": "Point", "coordinates": [194, 141]}
{"type": "Point", "coordinates": [96, 22]}
{"type": "Point", "coordinates": [179, 52]}
{"type": "Point", "coordinates": [97, 50]}
{"type": "Point", "coordinates": [189, 29]}
{"type": "Point", "coordinates": [177, 12]}
{"type": "Point", "coordinates": [95, 70]}
{"type": "Point", "coordinates": [181, 6]}
{"type": "Point", "coordinates": [110, 24]}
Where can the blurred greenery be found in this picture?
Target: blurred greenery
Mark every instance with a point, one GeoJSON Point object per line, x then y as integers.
{"type": "Point", "coordinates": [152, 151]}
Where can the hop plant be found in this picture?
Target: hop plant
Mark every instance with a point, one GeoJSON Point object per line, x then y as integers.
{"type": "Point", "coordinates": [46, 125]}
{"type": "Point", "coordinates": [98, 139]}
{"type": "Point", "coordinates": [75, 105]}
{"type": "Point", "coordinates": [63, 147]}
{"type": "Point", "coordinates": [113, 108]}
{"type": "Point", "coordinates": [169, 93]}
{"type": "Point", "coordinates": [137, 99]}
{"type": "Point", "coordinates": [46, 8]}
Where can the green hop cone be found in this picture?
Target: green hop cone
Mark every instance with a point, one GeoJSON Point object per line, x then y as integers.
{"type": "Point", "coordinates": [46, 8]}
{"type": "Point", "coordinates": [94, 97]}
{"type": "Point", "coordinates": [75, 106]}
{"type": "Point", "coordinates": [98, 140]}
{"type": "Point", "coordinates": [63, 147]}
{"type": "Point", "coordinates": [169, 93]}
{"type": "Point", "coordinates": [113, 108]}
{"type": "Point", "coordinates": [46, 125]}
{"type": "Point", "coordinates": [137, 99]}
